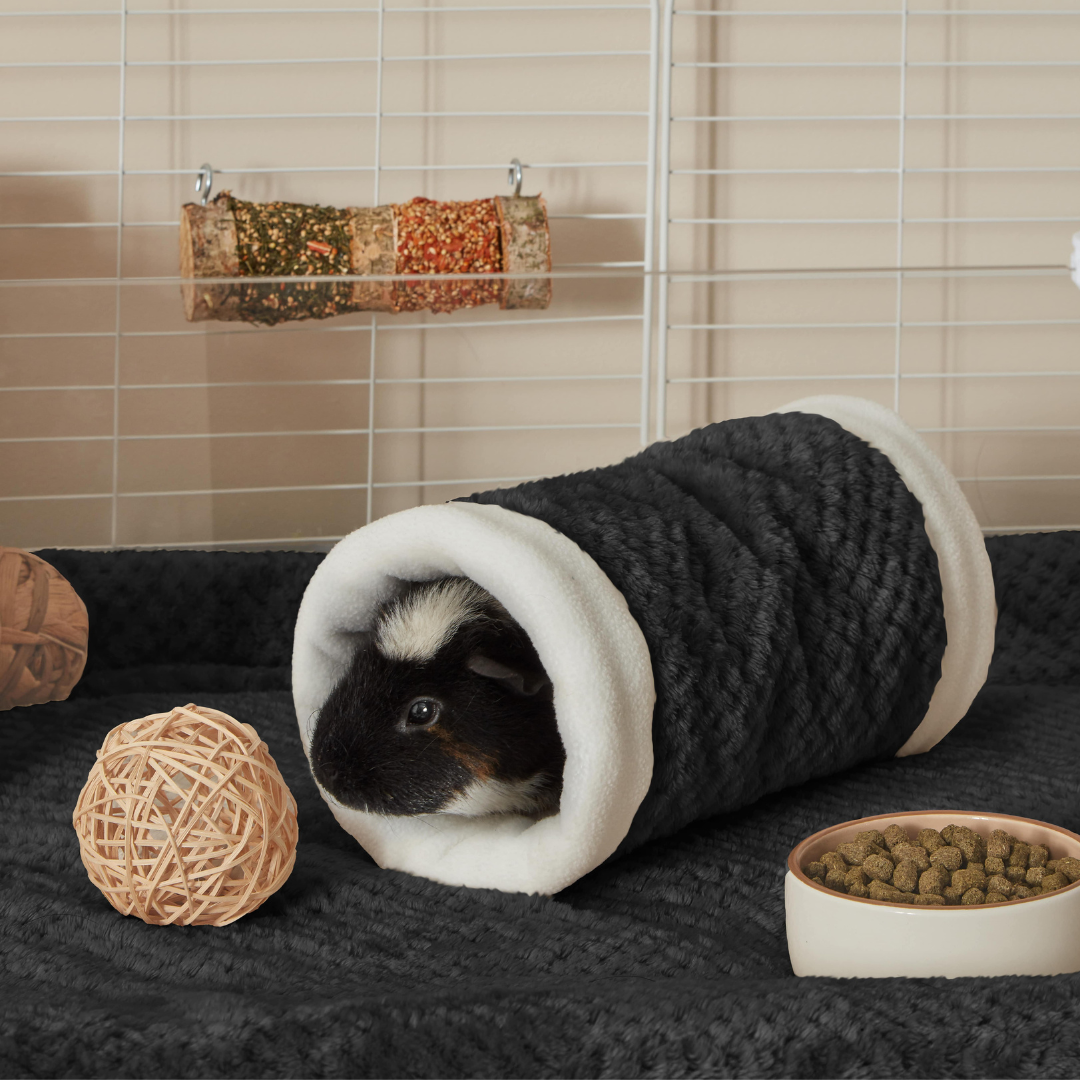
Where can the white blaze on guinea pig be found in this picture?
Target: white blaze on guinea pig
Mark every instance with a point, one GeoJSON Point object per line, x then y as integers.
{"type": "Point", "coordinates": [418, 626]}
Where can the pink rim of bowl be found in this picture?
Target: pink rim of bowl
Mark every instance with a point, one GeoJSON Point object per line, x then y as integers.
{"type": "Point", "coordinates": [831, 934]}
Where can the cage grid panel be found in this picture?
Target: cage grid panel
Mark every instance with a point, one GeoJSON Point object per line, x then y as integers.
{"type": "Point", "coordinates": [873, 198]}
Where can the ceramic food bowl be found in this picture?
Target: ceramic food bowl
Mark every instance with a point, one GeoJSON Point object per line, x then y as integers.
{"type": "Point", "coordinates": [831, 934]}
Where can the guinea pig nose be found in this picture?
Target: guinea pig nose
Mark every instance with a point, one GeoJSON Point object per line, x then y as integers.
{"type": "Point", "coordinates": [325, 773]}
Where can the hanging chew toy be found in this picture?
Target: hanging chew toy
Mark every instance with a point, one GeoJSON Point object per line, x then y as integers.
{"type": "Point", "coordinates": [229, 237]}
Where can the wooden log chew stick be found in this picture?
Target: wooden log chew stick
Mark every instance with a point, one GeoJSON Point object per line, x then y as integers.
{"type": "Point", "coordinates": [208, 249]}
{"type": "Point", "coordinates": [232, 238]}
{"type": "Point", "coordinates": [526, 245]}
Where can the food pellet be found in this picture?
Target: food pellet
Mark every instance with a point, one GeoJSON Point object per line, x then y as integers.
{"type": "Point", "coordinates": [836, 879]}
{"type": "Point", "coordinates": [895, 834]}
{"type": "Point", "coordinates": [871, 837]}
{"type": "Point", "coordinates": [879, 867]}
{"type": "Point", "coordinates": [856, 874]}
{"type": "Point", "coordinates": [932, 881]}
{"type": "Point", "coordinates": [906, 875]}
{"type": "Point", "coordinates": [915, 853]}
{"type": "Point", "coordinates": [1019, 855]}
{"type": "Point", "coordinates": [856, 853]}
{"type": "Point", "coordinates": [954, 866]}
{"type": "Point", "coordinates": [948, 858]}
{"type": "Point", "coordinates": [879, 890]}
{"type": "Point", "coordinates": [969, 842]}
{"type": "Point", "coordinates": [930, 839]}
{"type": "Point", "coordinates": [833, 860]}
{"type": "Point", "coordinates": [974, 877]}
{"type": "Point", "coordinates": [1070, 867]}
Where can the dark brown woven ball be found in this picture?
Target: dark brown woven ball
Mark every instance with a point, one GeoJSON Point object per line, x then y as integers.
{"type": "Point", "coordinates": [43, 631]}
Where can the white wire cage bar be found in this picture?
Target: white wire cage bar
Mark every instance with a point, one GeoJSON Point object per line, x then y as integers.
{"type": "Point", "coordinates": [679, 334]}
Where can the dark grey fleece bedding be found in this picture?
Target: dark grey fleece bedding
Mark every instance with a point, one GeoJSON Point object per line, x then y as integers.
{"type": "Point", "coordinates": [667, 962]}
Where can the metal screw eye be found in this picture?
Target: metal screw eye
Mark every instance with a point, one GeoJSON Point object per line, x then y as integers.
{"type": "Point", "coordinates": [516, 175]}
{"type": "Point", "coordinates": [205, 182]}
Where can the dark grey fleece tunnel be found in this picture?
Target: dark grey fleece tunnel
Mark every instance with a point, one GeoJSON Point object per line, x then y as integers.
{"type": "Point", "coordinates": [781, 574]}
{"type": "Point", "coordinates": [791, 582]}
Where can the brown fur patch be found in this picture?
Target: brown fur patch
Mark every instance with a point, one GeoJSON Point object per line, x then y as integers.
{"type": "Point", "coordinates": [481, 765]}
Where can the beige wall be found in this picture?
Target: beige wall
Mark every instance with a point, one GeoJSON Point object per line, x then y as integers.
{"type": "Point", "coordinates": [220, 401]}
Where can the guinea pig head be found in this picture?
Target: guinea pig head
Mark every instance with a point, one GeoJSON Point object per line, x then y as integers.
{"type": "Point", "coordinates": [445, 708]}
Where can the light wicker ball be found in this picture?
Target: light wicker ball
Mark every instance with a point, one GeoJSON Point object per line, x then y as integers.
{"type": "Point", "coordinates": [186, 819]}
{"type": "Point", "coordinates": [43, 631]}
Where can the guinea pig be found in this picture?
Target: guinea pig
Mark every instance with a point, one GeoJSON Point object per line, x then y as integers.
{"type": "Point", "coordinates": [444, 709]}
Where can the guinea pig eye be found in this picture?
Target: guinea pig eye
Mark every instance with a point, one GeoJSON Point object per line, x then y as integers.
{"type": "Point", "coordinates": [423, 712]}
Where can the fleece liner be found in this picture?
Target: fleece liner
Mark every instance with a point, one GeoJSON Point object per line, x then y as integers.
{"type": "Point", "coordinates": [670, 961]}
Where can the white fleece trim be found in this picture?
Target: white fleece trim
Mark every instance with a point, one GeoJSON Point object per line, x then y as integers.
{"type": "Point", "coordinates": [967, 581]}
{"type": "Point", "coordinates": [588, 642]}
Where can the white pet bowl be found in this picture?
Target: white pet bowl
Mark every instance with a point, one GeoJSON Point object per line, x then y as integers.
{"type": "Point", "coordinates": [847, 937]}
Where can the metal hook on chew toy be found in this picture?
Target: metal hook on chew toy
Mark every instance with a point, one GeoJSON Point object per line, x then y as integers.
{"type": "Point", "coordinates": [516, 176]}
{"type": "Point", "coordinates": [205, 182]}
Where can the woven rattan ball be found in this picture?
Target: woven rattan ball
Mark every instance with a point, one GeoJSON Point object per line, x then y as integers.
{"type": "Point", "coordinates": [43, 631]}
{"type": "Point", "coordinates": [186, 819]}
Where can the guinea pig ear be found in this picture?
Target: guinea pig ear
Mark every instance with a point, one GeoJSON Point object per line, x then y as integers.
{"type": "Point", "coordinates": [521, 681]}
